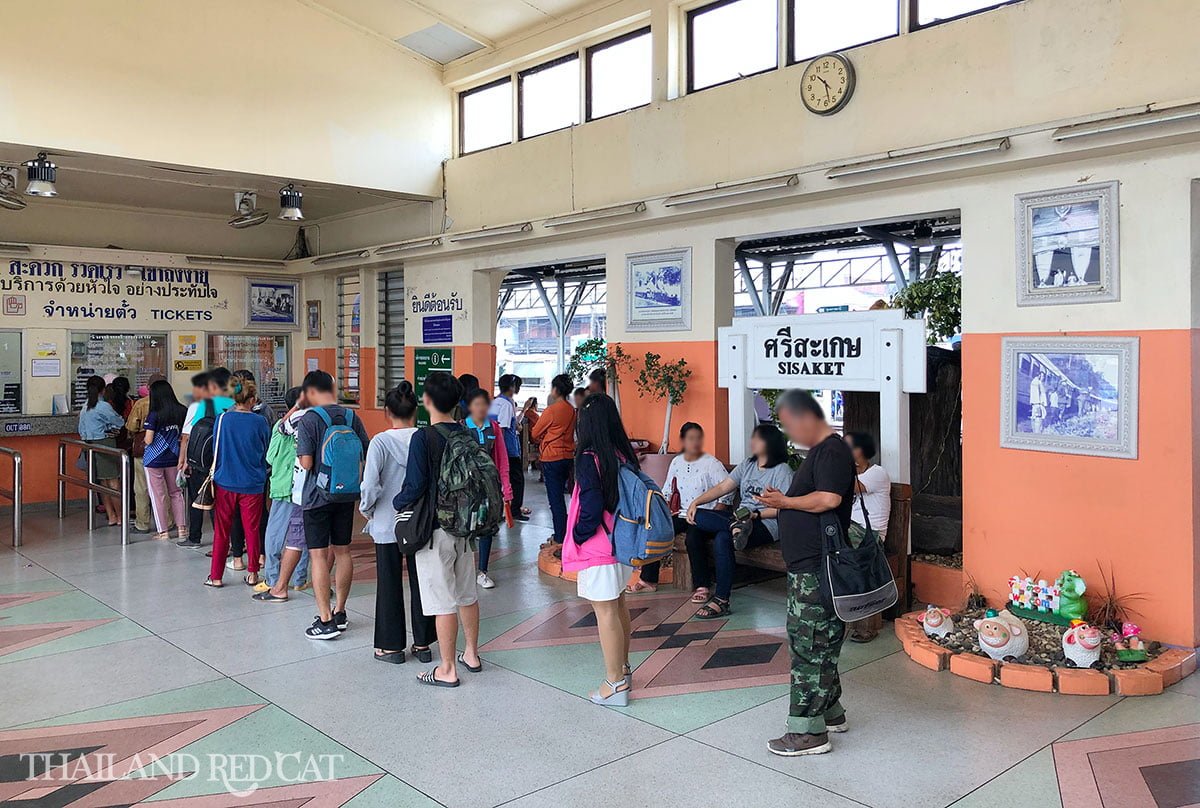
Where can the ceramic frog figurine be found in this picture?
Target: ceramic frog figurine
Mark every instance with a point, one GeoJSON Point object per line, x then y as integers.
{"type": "Point", "coordinates": [1071, 587]}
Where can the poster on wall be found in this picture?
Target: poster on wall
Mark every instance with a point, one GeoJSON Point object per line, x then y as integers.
{"type": "Point", "coordinates": [425, 361]}
{"type": "Point", "coordinates": [659, 288]}
{"type": "Point", "coordinates": [312, 319]}
{"type": "Point", "coordinates": [271, 302]}
{"type": "Point", "coordinates": [187, 352]}
{"type": "Point", "coordinates": [437, 328]}
{"type": "Point", "coordinates": [1067, 245]}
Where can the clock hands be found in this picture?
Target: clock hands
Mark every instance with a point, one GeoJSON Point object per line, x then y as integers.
{"type": "Point", "coordinates": [827, 88]}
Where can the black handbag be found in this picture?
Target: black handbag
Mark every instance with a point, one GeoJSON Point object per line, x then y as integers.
{"type": "Point", "coordinates": [414, 525]}
{"type": "Point", "coordinates": [858, 581]}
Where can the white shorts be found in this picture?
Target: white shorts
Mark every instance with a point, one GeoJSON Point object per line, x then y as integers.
{"type": "Point", "coordinates": [605, 582]}
{"type": "Point", "coordinates": [446, 570]}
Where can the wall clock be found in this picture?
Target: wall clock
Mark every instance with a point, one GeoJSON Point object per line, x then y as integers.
{"type": "Point", "coordinates": [827, 84]}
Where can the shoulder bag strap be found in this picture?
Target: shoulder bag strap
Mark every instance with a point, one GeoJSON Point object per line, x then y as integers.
{"type": "Point", "coordinates": [862, 503]}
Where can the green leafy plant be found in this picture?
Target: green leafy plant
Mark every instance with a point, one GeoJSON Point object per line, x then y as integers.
{"type": "Point", "coordinates": [1107, 608]}
{"type": "Point", "coordinates": [939, 300]}
{"type": "Point", "coordinates": [664, 380]}
{"type": "Point", "coordinates": [595, 353]}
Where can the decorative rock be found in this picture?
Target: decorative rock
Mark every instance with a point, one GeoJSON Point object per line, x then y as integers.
{"type": "Point", "coordinates": [1027, 677]}
{"type": "Point", "coordinates": [1002, 636]}
{"type": "Point", "coordinates": [936, 622]}
{"type": "Point", "coordinates": [1082, 682]}
{"type": "Point", "coordinates": [1081, 645]}
{"type": "Point", "coordinates": [981, 669]}
{"type": "Point", "coordinates": [1136, 682]}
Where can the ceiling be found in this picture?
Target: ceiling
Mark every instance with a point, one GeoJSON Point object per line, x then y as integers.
{"type": "Point", "coordinates": [119, 182]}
{"type": "Point", "coordinates": [487, 21]}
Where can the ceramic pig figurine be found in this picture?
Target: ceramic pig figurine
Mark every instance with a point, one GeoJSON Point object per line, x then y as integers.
{"type": "Point", "coordinates": [1081, 645]}
{"type": "Point", "coordinates": [937, 622]}
{"type": "Point", "coordinates": [1002, 636]}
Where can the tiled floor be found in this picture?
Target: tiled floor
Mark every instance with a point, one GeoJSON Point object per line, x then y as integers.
{"type": "Point", "coordinates": [124, 680]}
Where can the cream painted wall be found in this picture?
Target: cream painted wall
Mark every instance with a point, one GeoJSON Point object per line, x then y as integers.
{"type": "Point", "coordinates": [268, 87]}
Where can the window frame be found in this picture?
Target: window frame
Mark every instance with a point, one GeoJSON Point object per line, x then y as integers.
{"type": "Point", "coordinates": [689, 17]}
{"type": "Point", "coordinates": [387, 282]}
{"type": "Point", "coordinates": [587, 72]}
{"type": "Point", "coordinates": [287, 353]}
{"type": "Point", "coordinates": [520, 89]}
{"type": "Point", "coordinates": [914, 14]}
{"type": "Point", "coordinates": [462, 120]}
{"type": "Point", "coordinates": [72, 375]}
{"type": "Point", "coordinates": [22, 381]}
{"type": "Point", "coordinates": [345, 337]}
{"type": "Point", "coordinates": [789, 42]}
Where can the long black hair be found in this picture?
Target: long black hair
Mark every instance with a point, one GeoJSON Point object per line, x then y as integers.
{"type": "Point", "coordinates": [95, 389]}
{"type": "Point", "coordinates": [777, 450]}
{"type": "Point", "coordinates": [164, 406]}
{"type": "Point", "coordinates": [401, 401]}
{"type": "Point", "coordinates": [601, 433]}
{"type": "Point", "coordinates": [115, 395]}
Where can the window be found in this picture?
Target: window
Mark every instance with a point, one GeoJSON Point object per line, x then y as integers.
{"type": "Point", "coordinates": [817, 26]}
{"type": "Point", "coordinates": [391, 330]}
{"type": "Point", "coordinates": [730, 39]}
{"type": "Point", "coordinates": [548, 96]}
{"type": "Point", "coordinates": [485, 116]}
{"type": "Point", "coordinates": [928, 12]}
{"type": "Point", "coordinates": [618, 74]}
{"type": "Point", "coordinates": [264, 355]}
{"type": "Point", "coordinates": [137, 357]}
{"type": "Point", "coordinates": [10, 372]}
{"type": "Point", "coordinates": [349, 332]}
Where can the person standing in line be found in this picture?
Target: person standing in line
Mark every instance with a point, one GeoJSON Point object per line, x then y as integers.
{"type": "Point", "coordinates": [98, 423]}
{"type": "Point", "coordinates": [554, 432]}
{"type": "Point", "coordinates": [328, 515]}
{"type": "Point", "coordinates": [446, 565]}
{"type": "Point", "coordinates": [602, 448]}
{"type": "Point", "coordinates": [872, 489]}
{"type": "Point", "coordinates": [597, 382]}
{"type": "Point", "coordinates": [239, 474]}
{"type": "Point", "coordinates": [383, 477]}
{"type": "Point", "coordinates": [470, 383]}
{"type": "Point", "coordinates": [580, 395]}
{"type": "Point", "coordinates": [221, 402]}
{"type": "Point", "coordinates": [491, 439]}
{"type": "Point", "coordinates": [824, 484]}
{"type": "Point", "coordinates": [163, 426]}
{"type": "Point", "coordinates": [286, 553]}
{"type": "Point", "coordinates": [237, 542]}
{"type": "Point", "coordinates": [194, 475]}
{"type": "Point", "coordinates": [504, 411]}
{"type": "Point", "coordinates": [135, 425]}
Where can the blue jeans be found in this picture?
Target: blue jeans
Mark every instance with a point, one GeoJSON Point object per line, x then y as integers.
{"type": "Point", "coordinates": [277, 525]}
{"type": "Point", "coordinates": [484, 545]}
{"type": "Point", "coordinates": [556, 473]}
{"type": "Point", "coordinates": [716, 524]}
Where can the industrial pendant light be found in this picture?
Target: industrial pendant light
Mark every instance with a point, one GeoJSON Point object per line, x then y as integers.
{"type": "Point", "coordinates": [9, 197]}
{"type": "Point", "coordinates": [42, 174]}
{"type": "Point", "coordinates": [248, 214]}
{"type": "Point", "coordinates": [290, 202]}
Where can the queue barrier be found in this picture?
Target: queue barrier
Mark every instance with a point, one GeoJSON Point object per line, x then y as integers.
{"type": "Point", "coordinates": [64, 479]}
{"type": "Point", "coordinates": [16, 494]}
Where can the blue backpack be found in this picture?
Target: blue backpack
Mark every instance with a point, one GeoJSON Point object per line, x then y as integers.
{"type": "Point", "coordinates": [643, 531]}
{"type": "Point", "coordinates": [340, 464]}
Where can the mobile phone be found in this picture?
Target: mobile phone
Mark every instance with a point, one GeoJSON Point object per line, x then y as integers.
{"type": "Point", "coordinates": [741, 514]}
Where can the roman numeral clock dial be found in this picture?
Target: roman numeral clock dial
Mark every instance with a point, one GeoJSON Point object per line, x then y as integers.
{"type": "Point", "coordinates": [827, 84]}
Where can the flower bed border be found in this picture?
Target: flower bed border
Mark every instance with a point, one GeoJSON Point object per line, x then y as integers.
{"type": "Point", "coordinates": [1148, 679]}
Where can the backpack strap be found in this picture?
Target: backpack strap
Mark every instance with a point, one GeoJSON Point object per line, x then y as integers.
{"type": "Point", "coordinates": [321, 411]}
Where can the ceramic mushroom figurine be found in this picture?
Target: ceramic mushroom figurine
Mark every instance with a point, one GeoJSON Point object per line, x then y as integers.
{"type": "Point", "coordinates": [1131, 634]}
{"type": "Point", "coordinates": [1081, 645]}
{"type": "Point", "coordinates": [936, 622]}
{"type": "Point", "coordinates": [1002, 635]}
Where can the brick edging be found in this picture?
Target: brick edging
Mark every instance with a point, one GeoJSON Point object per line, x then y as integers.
{"type": "Point", "coordinates": [1147, 679]}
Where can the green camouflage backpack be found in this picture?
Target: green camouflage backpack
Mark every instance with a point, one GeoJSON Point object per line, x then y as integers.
{"type": "Point", "coordinates": [469, 502]}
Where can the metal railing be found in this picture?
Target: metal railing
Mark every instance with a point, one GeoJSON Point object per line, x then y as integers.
{"type": "Point", "coordinates": [65, 479]}
{"type": "Point", "coordinates": [16, 493]}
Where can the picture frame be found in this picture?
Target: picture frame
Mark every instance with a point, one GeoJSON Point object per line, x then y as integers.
{"type": "Point", "coordinates": [1070, 395]}
{"type": "Point", "coordinates": [272, 303]}
{"type": "Point", "coordinates": [312, 319]}
{"type": "Point", "coordinates": [658, 290]}
{"type": "Point", "coordinates": [1068, 245]}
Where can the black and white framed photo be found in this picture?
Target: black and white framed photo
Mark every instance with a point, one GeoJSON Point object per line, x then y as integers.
{"type": "Point", "coordinates": [659, 290]}
{"type": "Point", "coordinates": [271, 303]}
{"type": "Point", "coordinates": [1074, 395]}
{"type": "Point", "coordinates": [1068, 245]}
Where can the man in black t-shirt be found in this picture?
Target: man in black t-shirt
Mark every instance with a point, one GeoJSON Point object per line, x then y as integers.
{"type": "Point", "coordinates": [823, 484]}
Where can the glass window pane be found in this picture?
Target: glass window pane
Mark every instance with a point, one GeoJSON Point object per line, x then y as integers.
{"type": "Point", "coordinates": [821, 27]}
{"type": "Point", "coordinates": [264, 355]}
{"type": "Point", "coordinates": [933, 10]}
{"type": "Point", "coordinates": [731, 40]}
{"type": "Point", "coordinates": [550, 97]}
{"type": "Point", "coordinates": [10, 372]}
{"type": "Point", "coordinates": [486, 117]}
{"type": "Point", "coordinates": [137, 357]}
{"type": "Point", "coordinates": [620, 76]}
{"type": "Point", "coordinates": [349, 333]}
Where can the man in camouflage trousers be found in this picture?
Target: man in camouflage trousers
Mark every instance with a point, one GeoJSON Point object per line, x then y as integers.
{"type": "Point", "coordinates": [824, 484]}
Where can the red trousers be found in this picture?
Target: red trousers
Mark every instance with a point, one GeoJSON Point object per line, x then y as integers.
{"type": "Point", "coordinates": [250, 509]}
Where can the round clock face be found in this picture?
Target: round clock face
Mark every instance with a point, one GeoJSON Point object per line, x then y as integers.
{"type": "Point", "coordinates": [827, 84]}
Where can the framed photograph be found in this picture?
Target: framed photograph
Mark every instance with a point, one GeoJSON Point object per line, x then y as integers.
{"type": "Point", "coordinates": [1074, 395]}
{"type": "Point", "coordinates": [1067, 245]}
{"type": "Point", "coordinates": [271, 303]}
{"type": "Point", "coordinates": [659, 291]}
{"type": "Point", "coordinates": [312, 319]}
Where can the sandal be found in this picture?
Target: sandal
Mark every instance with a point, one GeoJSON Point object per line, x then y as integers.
{"type": "Point", "coordinates": [701, 595]}
{"type": "Point", "coordinates": [429, 677]}
{"type": "Point", "coordinates": [713, 609]}
{"type": "Point", "coordinates": [246, 579]}
{"type": "Point", "coordinates": [268, 597]}
{"type": "Point", "coordinates": [640, 587]}
{"type": "Point", "coordinates": [462, 660]}
{"type": "Point", "coordinates": [422, 654]}
{"type": "Point", "coordinates": [394, 657]}
{"type": "Point", "coordinates": [212, 583]}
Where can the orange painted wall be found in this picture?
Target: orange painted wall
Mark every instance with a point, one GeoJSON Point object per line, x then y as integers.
{"type": "Point", "coordinates": [704, 402]}
{"type": "Point", "coordinates": [1045, 512]}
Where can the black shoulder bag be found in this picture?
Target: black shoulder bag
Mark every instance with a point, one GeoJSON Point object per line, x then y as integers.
{"type": "Point", "coordinates": [858, 580]}
{"type": "Point", "coordinates": [414, 525]}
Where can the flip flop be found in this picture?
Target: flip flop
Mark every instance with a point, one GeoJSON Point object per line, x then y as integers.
{"type": "Point", "coordinates": [429, 677]}
{"type": "Point", "coordinates": [472, 668]}
{"type": "Point", "coordinates": [639, 588]}
{"type": "Point", "coordinates": [246, 579]}
{"type": "Point", "coordinates": [213, 584]}
{"type": "Point", "coordinates": [394, 657]}
{"type": "Point", "coordinates": [268, 597]}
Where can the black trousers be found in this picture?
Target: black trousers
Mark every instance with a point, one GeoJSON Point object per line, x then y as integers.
{"type": "Point", "coordinates": [390, 624]}
{"type": "Point", "coordinates": [195, 515]}
{"type": "Point", "coordinates": [516, 478]}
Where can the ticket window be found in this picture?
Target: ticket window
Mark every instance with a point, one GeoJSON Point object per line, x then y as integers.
{"type": "Point", "coordinates": [10, 372]}
{"type": "Point", "coordinates": [137, 357]}
{"type": "Point", "coordinates": [264, 355]}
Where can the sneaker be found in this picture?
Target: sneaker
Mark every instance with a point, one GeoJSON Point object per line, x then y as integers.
{"type": "Point", "coordinates": [795, 744]}
{"type": "Point", "coordinates": [484, 581]}
{"type": "Point", "coordinates": [322, 631]}
{"type": "Point", "coordinates": [187, 543]}
{"type": "Point", "coordinates": [341, 621]}
{"type": "Point", "coordinates": [837, 725]}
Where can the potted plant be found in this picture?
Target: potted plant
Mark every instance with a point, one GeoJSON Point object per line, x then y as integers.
{"type": "Point", "coordinates": [597, 353]}
{"type": "Point", "coordinates": [664, 380]}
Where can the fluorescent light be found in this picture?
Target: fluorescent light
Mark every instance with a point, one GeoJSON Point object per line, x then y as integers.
{"type": "Point", "coordinates": [342, 256]}
{"type": "Point", "coordinates": [487, 232]}
{"type": "Point", "coordinates": [596, 213]}
{"type": "Point", "coordinates": [236, 262]}
{"type": "Point", "coordinates": [405, 246]}
{"type": "Point", "coordinates": [911, 157]}
{"type": "Point", "coordinates": [1185, 112]}
{"type": "Point", "coordinates": [736, 189]}
{"type": "Point", "coordinates": [14, 248]}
